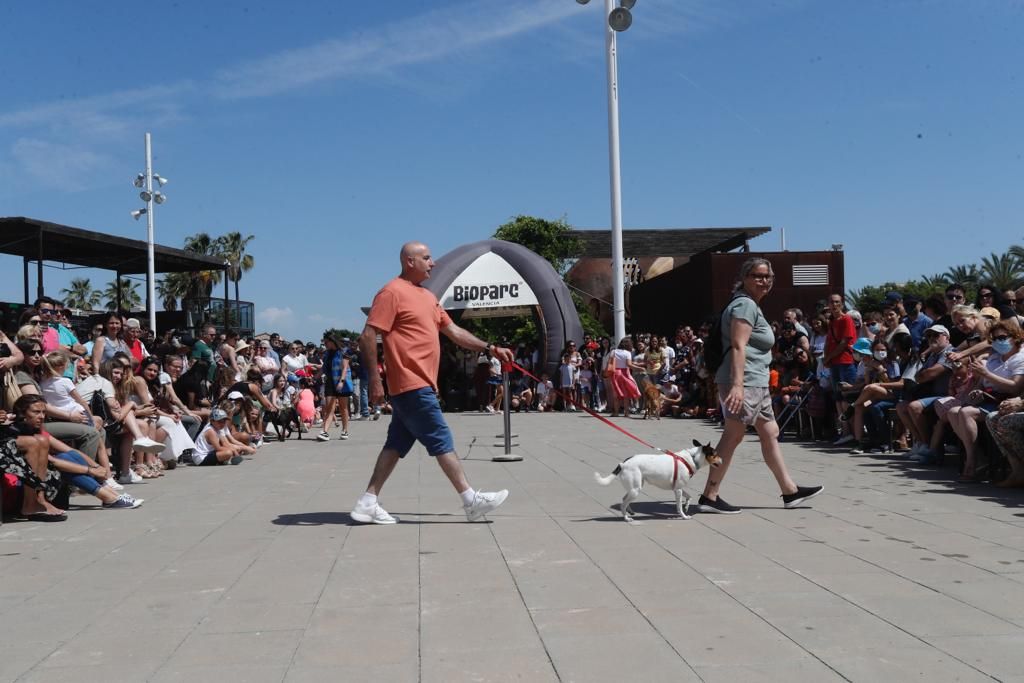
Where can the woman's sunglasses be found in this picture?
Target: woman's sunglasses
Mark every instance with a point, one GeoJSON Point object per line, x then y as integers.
{"type": "Point", "coordinates": [35, 352]}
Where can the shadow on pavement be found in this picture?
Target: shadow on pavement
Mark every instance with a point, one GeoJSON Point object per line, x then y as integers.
{"type": "Point", "coordinates": [321, 518]}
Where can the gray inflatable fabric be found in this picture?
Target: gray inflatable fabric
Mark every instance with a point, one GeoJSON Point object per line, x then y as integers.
{"type": "Point", "coordinates": [559, 322]}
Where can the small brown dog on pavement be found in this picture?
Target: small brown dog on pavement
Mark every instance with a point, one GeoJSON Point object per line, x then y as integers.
{"type": "Point", "coordinates": [652, 400]}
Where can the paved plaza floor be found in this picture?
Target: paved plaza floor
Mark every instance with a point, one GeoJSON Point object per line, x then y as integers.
{"type": "Point", "coordinates": [255, 573]}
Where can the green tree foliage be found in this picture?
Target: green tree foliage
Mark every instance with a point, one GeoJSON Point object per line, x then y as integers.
{"type": "Point", "coordinates": [130, 298]}
{"type": "Point", "coordinates": [551, 239]}
{"type": "Point", "coordinates": [232, 248]}
{"type": "Point", "coordinates": [339, 333]}
{"type": "Point", "coordinates": [80, 294]}
{"type": "Point", "coordinates": [172, 287]}
{"type": "Point", "coordinates": [201, 283]}
{"type": "Point", "coordinates": [1003, 271]}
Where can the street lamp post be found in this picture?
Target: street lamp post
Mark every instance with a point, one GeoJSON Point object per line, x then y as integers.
{"type": "Point", "coordinates": [145, 181]}
{"type": "Point", "coordinates": [616, 19]}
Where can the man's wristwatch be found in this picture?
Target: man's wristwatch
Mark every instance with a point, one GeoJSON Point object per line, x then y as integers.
{"type": "Point", "coordinates": [489, 348]}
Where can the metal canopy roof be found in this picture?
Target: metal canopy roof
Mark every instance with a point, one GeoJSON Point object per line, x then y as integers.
{"type": "Point", "coordinates": [34, 240]}
{"type": "Point", "coordinates": [666, 242]}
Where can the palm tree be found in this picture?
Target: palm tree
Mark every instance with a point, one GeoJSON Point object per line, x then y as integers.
{"type": "Point", "coordinates": [936, 282]}
{"type": "Point", "coordinates": [171, 287]}
{"type": "Point", "coordinates": [202, 282]}
{"type": "Point", "coordinates": [130, 298]}
{"type": "Point", "coordinates": [1002, 270]}
{"type": "Point", "coordinates": [964, 275]}
{"type": "Point", "coordinates": [81, 295]}
{"type": "Point", "coordinates": [232, 248]}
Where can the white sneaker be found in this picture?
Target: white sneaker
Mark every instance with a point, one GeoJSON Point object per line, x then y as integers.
{"type": "Point", "coordinates": [371, 514]}
{"type": "Point", "coordinates": [376, 415]}
{"type": "Point", "coordinates": [323, 436]}
{"type": "Point", "coordinates": [113, 484]}
{"type": "Point", "coordinates": [343, 435]}
{"type": "Point", "coordinates": [484, 503]}
{"type": "Point", "coordinates": [130, 477]}
{"type": "Point", "coordinates": [147, 445]}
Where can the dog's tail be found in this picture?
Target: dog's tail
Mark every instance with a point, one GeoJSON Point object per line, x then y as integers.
{"type": "Point", "coordinates": [604, 481]}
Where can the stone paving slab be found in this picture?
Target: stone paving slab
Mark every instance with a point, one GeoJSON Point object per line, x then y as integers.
{"type": "Point", "coordinates": [255, 573]}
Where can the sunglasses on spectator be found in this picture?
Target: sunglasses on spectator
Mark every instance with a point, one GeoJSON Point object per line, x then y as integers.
{"type": "Point", "coordinates": [34, 321]}
{"type": "Point", "coordinates": [35, 352]}
{"type": "Point", "coordinates": [45, 311]}
{"type": "Point", "coordinates": [954, 297]}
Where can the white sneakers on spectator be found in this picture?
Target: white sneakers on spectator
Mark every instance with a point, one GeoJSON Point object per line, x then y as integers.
{"type": "Point", "coordinates": [113, 484]}
{"type": "Point", "coordinates": [147, 445]}
{"type": "Point", "coordinates": [323, 436]}
{"type": "Point", "coordinates": [129, 477]}
{"type": "Point", "coordinates": [483, 503]}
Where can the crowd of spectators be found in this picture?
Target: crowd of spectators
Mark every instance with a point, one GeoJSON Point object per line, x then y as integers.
{"type": "Point", "coordinates": [926, 376]}
{"type": "Point", "coordinates": [108, 406]}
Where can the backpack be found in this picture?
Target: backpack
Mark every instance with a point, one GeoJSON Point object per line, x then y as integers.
{"type": "Point", "coordinates": [714, 348]}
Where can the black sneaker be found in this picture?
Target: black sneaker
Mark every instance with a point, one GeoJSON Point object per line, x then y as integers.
{"type": "Point", "coordinates": [791, 500]}
{"type": "Point", "coordinates": [717, 506]}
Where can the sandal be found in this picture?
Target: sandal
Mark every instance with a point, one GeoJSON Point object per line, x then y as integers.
{"type": "Point", "coordinates": [143, 472]}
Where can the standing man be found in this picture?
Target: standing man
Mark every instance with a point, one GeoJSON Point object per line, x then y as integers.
{"type": "Point", "coordinates": [916, 321]}
{"type": "Point", "coordinates": [839, 355]}
{"type": "Point", "coordinates": [408, 318]}
{"type": "Point", "coordinates": [361, 380]}
{"type": "Point", "coordinates": [202, 351]}
{"type": "Point", "coordinates": [65, 336]}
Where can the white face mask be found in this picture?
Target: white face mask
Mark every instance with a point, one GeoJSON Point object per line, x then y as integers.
{"type": "Point", "coordinates": [880, 355]}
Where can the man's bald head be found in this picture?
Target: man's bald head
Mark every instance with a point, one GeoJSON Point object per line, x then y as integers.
{"type": "Point", "coordinates": [416, 262]}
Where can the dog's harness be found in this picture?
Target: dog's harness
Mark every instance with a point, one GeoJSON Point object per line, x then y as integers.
{"type": "Point", "coordinates": [676, 459]}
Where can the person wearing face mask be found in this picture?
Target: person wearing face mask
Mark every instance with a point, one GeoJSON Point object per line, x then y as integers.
{"type": "Point", "coordinates": [916, 410]}
{"type": "Point", "coordinates": [1000, 377]}
{"type": "Point", "coordinates": [878, 371]}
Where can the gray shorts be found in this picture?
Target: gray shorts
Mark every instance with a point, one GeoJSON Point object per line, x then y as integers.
{"type": "Point", "coordinates": [757, 404]}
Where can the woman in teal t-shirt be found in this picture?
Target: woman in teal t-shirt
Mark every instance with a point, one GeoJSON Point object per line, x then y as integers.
{"type": "Point", "coordinates": [742, 379]}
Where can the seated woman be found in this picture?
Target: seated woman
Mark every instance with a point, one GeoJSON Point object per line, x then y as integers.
{"type": "Point", "coordinates": [794, 378]}
{"type": "Point", "coordinates": [151, 387]}
{"type": "Point", "coordinates": [282, 397]}
{"type": "Point", "coordinates": [881, 382]}
{"type": "Point", "coordinates": [1001, 376]}
{"type": "Point", "coordinates": [244, 419]}
{"type": "Point", "coordinates": [975, 329]}
{"type": "Point", "coordinates": [71, 427]}
{"type": "Point", "coordinates": [214, 445]}
{"type": "Point", "coordinates": [76, 469]}
{"type": "Point", "coordinates": [147, 465]}
{"type": "Point", "coordinates": [26, 457]}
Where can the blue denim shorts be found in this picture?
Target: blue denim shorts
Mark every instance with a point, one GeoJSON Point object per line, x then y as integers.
{"type": "Point", "coordinates": [416, 416]}
{"type": "Point", "coordinates": [842, 373]}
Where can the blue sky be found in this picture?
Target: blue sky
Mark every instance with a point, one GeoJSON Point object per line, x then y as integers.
{"type": "Point", "coordinates": [336, 131]}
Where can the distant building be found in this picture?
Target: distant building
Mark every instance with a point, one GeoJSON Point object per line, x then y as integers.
{"type": "Point", "coordinates": [684, 276]}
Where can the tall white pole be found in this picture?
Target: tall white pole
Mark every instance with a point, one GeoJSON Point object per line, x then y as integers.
{"type": "Point", "coordinates": [150, 258]}
{"type": "Point", "coordinates": [618, 288]}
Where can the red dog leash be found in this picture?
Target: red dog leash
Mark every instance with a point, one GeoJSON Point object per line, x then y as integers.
{"type": "Point", "coordinates": [676, 459]}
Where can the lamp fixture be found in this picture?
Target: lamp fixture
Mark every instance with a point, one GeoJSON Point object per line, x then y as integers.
{"type": "Point", "coordinates": [139, 212]}
{"type": "Point", "coordinates": [140, 180]}
{"type": "Point", "coordinates": [160, 179]}
{"type": "Point", "coordinates": [159, 198]}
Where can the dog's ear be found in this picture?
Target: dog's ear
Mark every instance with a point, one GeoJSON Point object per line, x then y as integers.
{"type": "Point", "coordinates": [697, 444]}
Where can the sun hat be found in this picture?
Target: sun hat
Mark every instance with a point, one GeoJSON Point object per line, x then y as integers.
{"type": "Point", "coordinates": [216, 415]}
{"type": "Point", "coordinates": [235, 395]}
{"type": "Point", "coordinates": [989, 312]}
{"type": "Point", "coordinates": [938, 329]}
{"type": "Point", "coordinates": [862, 346]}
{"type": "Point", "coordinates": [241, 345]}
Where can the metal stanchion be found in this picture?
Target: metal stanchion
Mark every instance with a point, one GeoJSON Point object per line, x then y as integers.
{"type": "Point", "coordinates": [506, 413]}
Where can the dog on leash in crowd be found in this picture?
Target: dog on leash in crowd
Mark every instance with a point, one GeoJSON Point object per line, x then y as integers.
{"type": "Point", "coordinates": [652, 400]}
{"type": "Point", "coordinates": [661, 470]}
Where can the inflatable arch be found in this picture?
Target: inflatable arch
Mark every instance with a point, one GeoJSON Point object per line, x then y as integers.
{"type": "Point", "coordinates": [496, 279]}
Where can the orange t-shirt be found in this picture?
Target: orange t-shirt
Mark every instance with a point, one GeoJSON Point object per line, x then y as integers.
{"type": "Point", "coordinates": [409, 318]}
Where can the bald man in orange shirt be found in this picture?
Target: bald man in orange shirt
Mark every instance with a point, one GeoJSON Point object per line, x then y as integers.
{"type": "Point", "coordinates": [408, 318]}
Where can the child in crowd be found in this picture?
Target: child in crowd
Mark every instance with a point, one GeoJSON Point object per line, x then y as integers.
{"type": "Point", "coordinates": [567, 376]}
{"type": "Point", "coordinates": [545, 394]}
{"type": "Point", "coordinates": [587, 383]}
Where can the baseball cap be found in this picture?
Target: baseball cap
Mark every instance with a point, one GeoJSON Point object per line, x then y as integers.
{"type": "Point", "coordinates": [911, 299]}
{"type": "Point", "coordinates": [235, 395]}
{"type": "Point", "coordinates": [893, 297]}
{"type": "Point", "coordinates": [216, 415]}
{"type": "Point", "coordinates": [133, 323]}
{"type": "Point", "coordinates": [938, 329]}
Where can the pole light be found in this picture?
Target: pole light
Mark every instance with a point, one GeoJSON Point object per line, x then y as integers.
{"type": "Point", "coordinates": [616, 19]}
{"type": "Point", "coordinates": [144, 181]}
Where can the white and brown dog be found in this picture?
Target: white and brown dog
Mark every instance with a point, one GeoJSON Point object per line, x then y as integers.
{"type": "Point", "coordinates": [664, 470]}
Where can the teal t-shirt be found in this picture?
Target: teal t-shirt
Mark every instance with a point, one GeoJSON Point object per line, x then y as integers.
{"type": "Point", "coordinates": [758, 354]}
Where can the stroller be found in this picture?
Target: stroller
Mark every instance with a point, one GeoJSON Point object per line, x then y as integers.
{"type": "Point", "coordinates": [796, 404]}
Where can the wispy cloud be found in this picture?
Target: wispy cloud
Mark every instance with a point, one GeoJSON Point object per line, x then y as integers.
{"type": "Point", "coordinates": [56, 165]}
{"type": "Point", "coordinates": [428, 37]}
{"type": "Point", "coordinates": [274, 315]}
